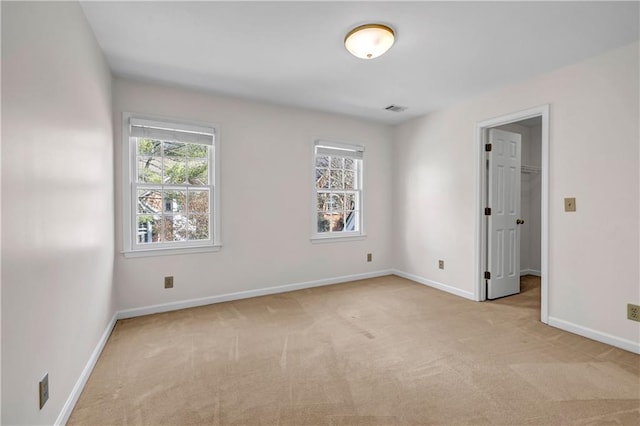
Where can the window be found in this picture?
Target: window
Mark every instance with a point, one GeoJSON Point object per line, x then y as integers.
{"type": "Point", "coordinates": [338, 190]}
{"type": "Point", "coordinates": [171, 195]}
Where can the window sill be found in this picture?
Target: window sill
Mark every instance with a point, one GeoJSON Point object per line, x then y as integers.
{"type": "Point", "coordinates": [334, 239]}
{"type": "Point", "coordinates": [171, 251]}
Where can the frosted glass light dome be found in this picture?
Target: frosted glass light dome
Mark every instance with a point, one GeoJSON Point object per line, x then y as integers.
{"type": "Point", "coordinates": [369, 41]}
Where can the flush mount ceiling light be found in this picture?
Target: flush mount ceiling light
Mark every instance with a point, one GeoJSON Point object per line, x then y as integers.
{"type": "Point", "coordinates": [369, 41]}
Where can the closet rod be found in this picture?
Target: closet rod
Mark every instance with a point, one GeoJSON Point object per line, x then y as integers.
{"type": "Point", "coordinates": [530, 169]}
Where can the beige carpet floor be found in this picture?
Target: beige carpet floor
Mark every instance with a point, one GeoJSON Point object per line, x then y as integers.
{"type": "Point", "coordinates": [384, 351]}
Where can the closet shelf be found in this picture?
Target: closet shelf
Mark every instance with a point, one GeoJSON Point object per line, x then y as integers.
{"type": "Point", "coordinates": [530, 169]}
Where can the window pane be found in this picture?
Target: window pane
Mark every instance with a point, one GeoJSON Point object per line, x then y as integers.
{"type": "Point", "coordinates": [149, 169]}
{"type": "Point", "coordinates": [175, 228]}
{"type": "Point", "coordinates": [149, 147]}
{"type": "Point", "coordinates": [349, 179]}
{"type": "Point", "coordinates": [349, 163]}
{"type": "Point", "coordinates": [198, 227]}
{"type": "Point", "coordinates": [351, 223]}
{"type": "Point", "coordinates": [337, 222]}
{"type": "Point", "coordinates": [195, 150]}
{"type": "Point", "coordinates": [175, 149]}
{"type": "Point", "coordinates": [199, 172]}
{"type": "Point", "coordinates": [323, 223]}
{"type": "Point", "coordinates": [322, 201]}
{"type": "Point", "coordinates": [351, 202]}
{"type": "Point", "coordinates": [148, 229]}
{"type": "Point", "coordinates": [175, 170]}
{"type": "Point", "coordinates": [149, 201]}
{"type": "Point", "coordinates": [322, 161]}
{"type": "Point", "coordinates": [174, 201]}
{"type": "Point", "coordinates": [336, 179]}
{"type": "Point", "coordinates": [337, 162]}
{"type": "Point", "coordinates": [334, 203]}
{"type": "Point", "coordinates": [322, 178]}
{"type": "Point", "coordinates": [198, 201]}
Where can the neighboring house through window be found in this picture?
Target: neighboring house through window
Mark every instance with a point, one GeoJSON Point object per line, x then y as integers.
{"type": "Point", "coordinates": [338, 190]}
{"type": "Point", "coordinates": [171, 199]}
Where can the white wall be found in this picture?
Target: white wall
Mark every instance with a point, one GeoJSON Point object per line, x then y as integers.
{"type": "Point", "coordinates": [593, 270]}
{"type": "Point", "coordinates": [266, 187]}
{"type": "Point", "coordinates": [57, 204]}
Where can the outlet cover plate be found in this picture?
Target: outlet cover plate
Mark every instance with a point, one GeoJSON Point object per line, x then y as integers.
{"type": "Point", "coordinates": [440, 264]}
{"type": "Point", "coordinates": [168, 282]}
{"type": "Point", "coordinates": [633, 312]}
{"type": "Point", "coordinates": [369, 257]}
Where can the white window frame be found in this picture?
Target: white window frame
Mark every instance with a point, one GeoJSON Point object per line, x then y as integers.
{"type": "Point", "coordinates": [131, 247]}
{"type": "Point", "coordinates": [348, 150]}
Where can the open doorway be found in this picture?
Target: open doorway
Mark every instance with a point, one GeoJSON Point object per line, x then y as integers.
{"type": "Point", "coordinates": [512, 206]}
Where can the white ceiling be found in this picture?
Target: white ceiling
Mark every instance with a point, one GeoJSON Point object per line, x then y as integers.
{"type": "Point", "coordinates": [292, 53]}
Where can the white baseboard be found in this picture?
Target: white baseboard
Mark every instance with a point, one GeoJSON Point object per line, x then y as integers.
{"type": "Point", "coordinates": [599, 336]}
{"type": "Point", "coordinates": [531, 272]}
{"type": "Point", "coordinates": [63, 417]}
{"type": "Point", "coordinates": [191, 303]}
{"type": "Point", "coordinates": [434, 284]}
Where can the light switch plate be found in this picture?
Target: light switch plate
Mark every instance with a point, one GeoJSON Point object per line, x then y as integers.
{"type": "Point", "coordinates": [570, 204]}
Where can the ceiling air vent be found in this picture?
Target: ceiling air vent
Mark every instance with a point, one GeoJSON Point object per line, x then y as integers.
{"type": "Point", "coordinates": [396, 108]}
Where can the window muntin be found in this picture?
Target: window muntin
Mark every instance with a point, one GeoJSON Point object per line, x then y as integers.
{"type": "Point", "coordinates": [171, 176]}
{"type": "Point", "coordinates": [338, 189]}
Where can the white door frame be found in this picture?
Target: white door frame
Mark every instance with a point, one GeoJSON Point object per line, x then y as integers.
{"type": "Point", "coordinates": [481, 231]}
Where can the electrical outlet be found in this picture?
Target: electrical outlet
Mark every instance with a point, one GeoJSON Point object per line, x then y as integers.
{"type": "Point", "coordinates": [440, 264]}
{"type": "Point", "coordinates": [633, 312]}
{"type": "Point", "coordinates": [44, 390]}
{"type": "Point", "coordinates": [168, 282]}
{"type": "Point", "coordinates": [570, 204]}
{"type": "Point", "coordinates": [369, 257]}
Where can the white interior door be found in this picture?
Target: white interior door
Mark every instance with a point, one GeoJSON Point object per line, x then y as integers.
{"type": "Point", "coordinates": [503, 251]}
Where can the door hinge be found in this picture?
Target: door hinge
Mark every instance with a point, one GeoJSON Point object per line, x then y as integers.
{"type": "Point", "coordinates": [487, 275]}
{"type": "Point", "coordinates": [487, 211]}
{"type": "Point", "coordinates": [487, 147]}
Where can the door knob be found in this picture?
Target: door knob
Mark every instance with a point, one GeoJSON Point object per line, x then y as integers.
{"type": "Point", "coordinates": [519, 221]}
